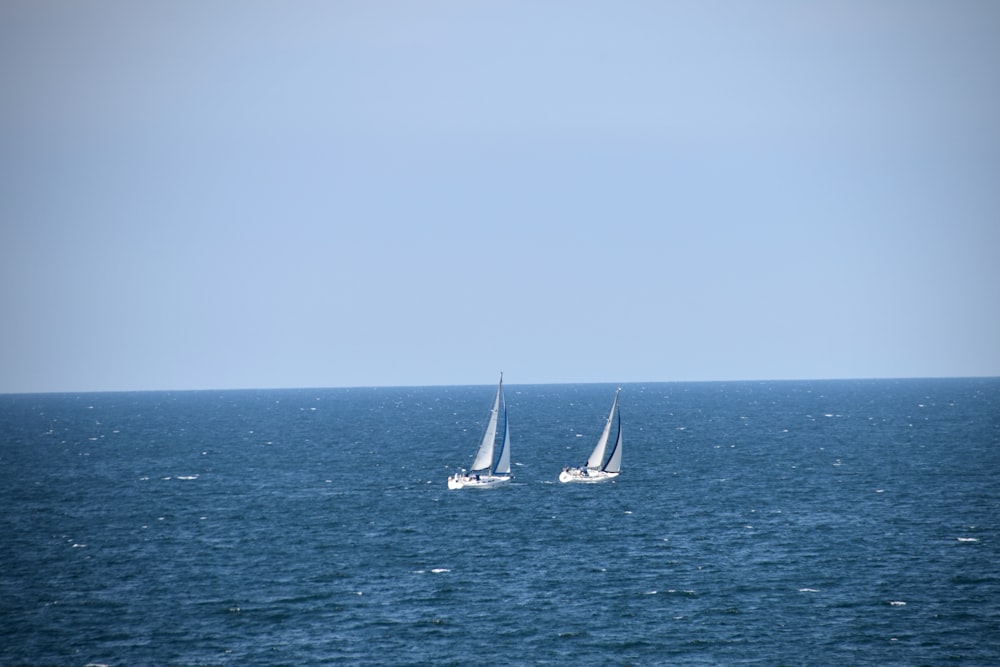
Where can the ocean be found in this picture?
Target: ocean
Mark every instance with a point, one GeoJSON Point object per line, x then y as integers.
{"type": "Point", "coordinates": [763, 523]}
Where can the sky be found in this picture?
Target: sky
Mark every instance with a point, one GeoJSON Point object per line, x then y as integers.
{"type": "Point", "coordinates": [214, 195]}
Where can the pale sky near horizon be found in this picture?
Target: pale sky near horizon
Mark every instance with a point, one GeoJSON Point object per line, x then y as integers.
{"type": "Point", "coordinates": [322, 194]}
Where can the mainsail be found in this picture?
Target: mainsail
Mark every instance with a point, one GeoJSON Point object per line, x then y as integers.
{"type": "Point", "coordinates": [596, 460]}
{"type": "Point", "coordinates": [615, 461]}
{"type": "Point", "coordinates": [484, 456]}
{"type": "Point", "coordinates": [503, 463]}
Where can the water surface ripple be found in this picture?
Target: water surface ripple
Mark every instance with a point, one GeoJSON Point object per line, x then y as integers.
{"type": "Point", "coordinates": [774, 523]}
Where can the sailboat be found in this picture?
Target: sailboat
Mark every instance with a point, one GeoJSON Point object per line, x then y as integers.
{"type": "Point", "coordinates": [597, 470]}
{"type": "Point", "coordinates": [484, 474]}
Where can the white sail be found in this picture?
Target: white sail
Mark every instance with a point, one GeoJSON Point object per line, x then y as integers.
{"type": "Point", "coordinates": [484, 456]}
{"type": "Point", "coordinates": [596, 459]}
{"type": "Point", "coordinates": [503, 463]}
{"type": "Point", "coordinates": [615, 461]}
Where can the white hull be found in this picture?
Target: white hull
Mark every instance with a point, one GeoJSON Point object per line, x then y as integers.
{"type": "Point", "coordinates": [477, 481]}
{"type": "Point", "coordinates": [585, 476]}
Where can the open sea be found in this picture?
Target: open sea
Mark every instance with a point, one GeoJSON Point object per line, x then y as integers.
{"type": "Point", "coordinates": [763, 523]}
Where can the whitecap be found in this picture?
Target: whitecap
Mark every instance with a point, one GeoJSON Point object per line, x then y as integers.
{"type": "Point", "coordinates": [439, 570]}
{"type": "Point", "coordinates": [968, 539]}
{"type": "Point", "coordinates": [187, 476]}
{"type": "Point", "coordinates": [808, 590]}
{"type": "Point", "coordinates": [897, 603]}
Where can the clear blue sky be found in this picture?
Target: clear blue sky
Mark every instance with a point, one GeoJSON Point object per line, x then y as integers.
{"type": "Point", "coordinates": [285, 194]}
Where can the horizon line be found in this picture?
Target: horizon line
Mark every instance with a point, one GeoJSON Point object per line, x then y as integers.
{"type": "Point", "coordinates": [485, 384]}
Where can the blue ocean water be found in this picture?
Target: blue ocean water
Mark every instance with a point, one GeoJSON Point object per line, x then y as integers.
{"type": "Point", "coordinates": [772, 523]}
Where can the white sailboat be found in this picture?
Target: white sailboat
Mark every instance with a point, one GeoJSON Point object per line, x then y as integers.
{"type": "Point", "coordinates": [484, 474]}
{"type": "Point", "coordinates": [597, 470]}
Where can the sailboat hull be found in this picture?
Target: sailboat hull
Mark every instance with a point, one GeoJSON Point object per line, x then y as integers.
{"type": "Point", "coordinates": [477, 481]}
{"type": "Point", "coordinates": [585, 476]}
